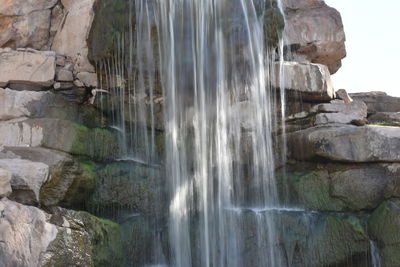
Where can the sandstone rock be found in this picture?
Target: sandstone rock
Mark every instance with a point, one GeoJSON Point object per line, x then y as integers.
{"type": "Point", "coordinates": [389, 118]}
{"type": "Point", "coordinates": [310, 82]}
{"type": "Point", "coordinates": [27, 179]}
{"type": "Point", "coordinates": [27, 67]}
{"type": "Point", "coordinates": [60, 135]}
{"type": "Point", "coordinates": [64, 75]}
{"type": "Point", "coordinates": [25, 23]}
{"type": "Point", "coordinates": [69, 181]}
{"type": "Point", "coordinates": [346, 144]}
{"type": "Point", "coordinates": [378, 102]}
{"type": "Point", "coordinates": [384, 226]}
{"type": "Point", "coordinates": [88, 79]}
{"type": "Point", "coordinates": [71, 38]}
{"type": "Point", "coordinates": [31, 237]}
{"type": "Point", "coordinates": [5, 185]}
{"type": "Point", "coordinates": [343, 113]}
{"type": "Point", "coordinates": [314, 33]}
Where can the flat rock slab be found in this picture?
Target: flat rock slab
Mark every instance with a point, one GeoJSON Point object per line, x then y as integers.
{"type": "Point", "coordinates": [60, 135]}
{"type": "Point", "coordinates": [27, 67]}
{"type": "Point", "coordinates": [346, 144]}
{"type": "Point", "coordinates": [307, 81]}
{"type": "Point", "coordinates": [343, 113]}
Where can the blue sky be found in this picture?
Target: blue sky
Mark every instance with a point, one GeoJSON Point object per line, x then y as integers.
{"type": "Point", "coordinates": [373, 46]}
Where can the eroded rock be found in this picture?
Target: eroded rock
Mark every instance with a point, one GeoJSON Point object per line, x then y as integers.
{"type": "Point", "coordinates": [378, 101]}
{"type": "Point", "coordinates": [314, 33]}
{"type": "Point", "coordinates": [5, 183]}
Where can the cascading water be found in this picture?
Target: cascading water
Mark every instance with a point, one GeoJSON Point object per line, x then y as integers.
{"type": "Point", "coordinates": [215, 66]}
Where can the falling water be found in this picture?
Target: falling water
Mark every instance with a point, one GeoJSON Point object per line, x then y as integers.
{"type": "Point", "coordinates": [210, 67]}
{"type": "Point", "coordinates": [375, 257]}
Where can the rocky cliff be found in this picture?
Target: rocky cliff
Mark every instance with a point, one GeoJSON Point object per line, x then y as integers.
{"type": "Point", "coordinates": [58, 156]}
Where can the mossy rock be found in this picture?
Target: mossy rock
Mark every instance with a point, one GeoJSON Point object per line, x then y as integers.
{"type": "Point", "coordinates": [84, 240]}
{"type": "Point", "coordinates": [384, 227]}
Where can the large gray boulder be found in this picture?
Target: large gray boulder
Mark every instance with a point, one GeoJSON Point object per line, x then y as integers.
{"type": "Point", "coordinates": [32, 237]}
{"type": "Point", "coordinates": [314, 33]}
{"type": "Point", "coordinates": [25, 23]}
{"type": "Point", "coordinates": [378, 101]}
{"type": "Point", "coordinates": [27, 179]}
{"type": "Point", "coordinates": [310, 82]}
{"type": "Point", "coordinates": [27, 67]}
{"type": "Point", "coordinates": [63, 135]}
{"type": "Point", "coordinates": [346, 143]}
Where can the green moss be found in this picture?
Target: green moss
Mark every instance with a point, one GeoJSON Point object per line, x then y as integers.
{"type": "Point", "coordinates": [384, 123]}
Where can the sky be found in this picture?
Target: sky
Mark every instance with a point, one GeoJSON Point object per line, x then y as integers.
{"type": "Point", "coordinates": [373, 46]}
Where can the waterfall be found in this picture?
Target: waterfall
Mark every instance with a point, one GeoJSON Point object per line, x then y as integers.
{"type": "Point", "coordinates": [375, 257]}
{"type": "Point", "coordinates": [210, 66]}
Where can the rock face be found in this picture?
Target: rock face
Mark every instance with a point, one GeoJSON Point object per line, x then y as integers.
{"type": "Point", "coordinates": [339, 187]}
{"type": "Point", "coordinates": [27, 67]}
{"type": "Point", "coordinates": [384, 226]}
{"type": "Point", "coordinates": [25, 23]}
{"type": "Point", "coordinates": [71, 38]}
{"type": "Point", "coordinates": [346, 144]}
{"type": "Point", "coordinates": [378, 102]}
{"type": "Point", "coordinates": [310, 82]}
{"type": "Point", "coordinates": [390, 118]}
{"type": "Point", "coordinates": [314, 33]}
{"type": "Point", "coordinates": [343, 113]}
{"type": "Point", "coordinates": [31, 237]}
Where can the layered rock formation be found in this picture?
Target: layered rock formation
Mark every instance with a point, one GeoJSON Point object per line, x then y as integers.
{"type": "Point", "coordinates": [57, 154]}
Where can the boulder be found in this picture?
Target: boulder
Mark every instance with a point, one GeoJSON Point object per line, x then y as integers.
{"type": "Point", "coordinates": [63, 135]}
{"type": "Point", "coordinates": [343, 113]}
{"type": "Point", "coordinates": [27, 179]}
{"type": "Point", "coordinates": [69, 181]}
{"type": "Point", "coordinates": [314, 33]}
{"type": "Point", "coordinates": [25, 23]}
{"type": "Point", "coordinates": [343, 95]}
{"type": "Point", "coordinates": [378, 101]}
{"type": "Point", "coordinates": [384, 226]}
{"type": "Point", "coordinates": [71, 38]}
{"type": "Point", "coordinates": [31, 237]}
{"type": "Point", "coordinates": [310, 82]}
{"type": "Point", "coordinates": [346, 143]}
{"type": "Point", "coordinates": [5, 185]}
{"type": "Point", "coordinates": [339, 187]}
{"type": "Point", "coordinates": [27, 67]}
